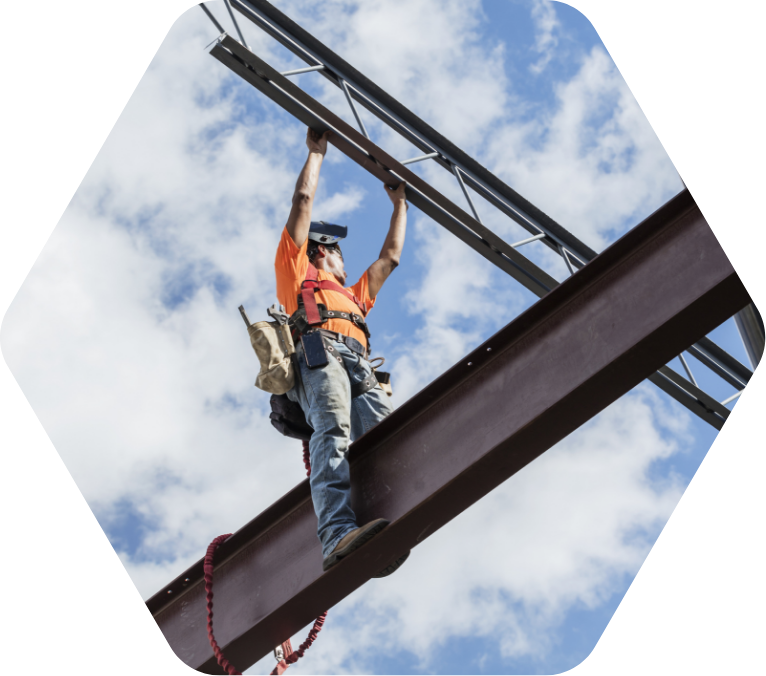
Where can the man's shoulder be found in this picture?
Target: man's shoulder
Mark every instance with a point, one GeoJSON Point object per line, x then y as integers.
{"type": "Point", "coordinates": [288, 246]}
{"type": "Point", "coordinates": [289, 254]}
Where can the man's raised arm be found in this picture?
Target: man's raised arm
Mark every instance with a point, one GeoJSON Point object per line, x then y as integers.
{"type": "Point", "coordinates": [379, 271]}
{"type": "Point", "coordinates": [299, 221]}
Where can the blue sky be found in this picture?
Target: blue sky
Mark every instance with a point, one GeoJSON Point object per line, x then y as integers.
{"type": "Point", "coordinates": [175, 225]}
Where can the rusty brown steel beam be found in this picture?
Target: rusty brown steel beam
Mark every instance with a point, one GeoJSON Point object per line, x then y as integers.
{"type": "Point", "coordinates": [613, 323]}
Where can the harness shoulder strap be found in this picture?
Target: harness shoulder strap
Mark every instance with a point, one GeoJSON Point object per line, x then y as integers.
{"type": "Point", "coordinates": [310, 286]}
{"type": "Point", "coordinates": [308, 289]}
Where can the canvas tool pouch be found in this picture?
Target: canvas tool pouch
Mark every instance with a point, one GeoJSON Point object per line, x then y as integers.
{"type": "Point", "coordinates": [274, 348]}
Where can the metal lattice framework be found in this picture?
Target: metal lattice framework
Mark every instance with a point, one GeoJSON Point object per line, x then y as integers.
{"type": "Point", "coordinates": [471, 176]}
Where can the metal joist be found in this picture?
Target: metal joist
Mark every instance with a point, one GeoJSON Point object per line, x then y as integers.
{"type": "Point", "coordinates": [721, 363]}
{"type": "Point", "coordinates": [469, 172]}
{"type": "Point", "coordinates": [386, 108]}
{"type": "Point", "coordinates": [375, 160]}
{"type": "Point", "coordinates": [636, 306]}
{"type": "Point", "coordinates": [692, 397]}
{"type": "Point", "coordinates": [379, 163]}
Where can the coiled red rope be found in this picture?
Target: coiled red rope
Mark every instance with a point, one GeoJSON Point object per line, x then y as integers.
{"type": "Point", "coordinates": [227, 666]}
{"type": "Point", "coordinates": [290, 656]}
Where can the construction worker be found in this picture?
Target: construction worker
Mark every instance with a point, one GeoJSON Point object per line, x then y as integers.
{"type": "Point", "coordinates": [336, 387]}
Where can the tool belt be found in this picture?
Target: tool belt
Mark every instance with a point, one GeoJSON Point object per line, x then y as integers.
{"type": "Point", "coordinates": [299, 323]}
{"type": "Point", "coordinates": [288, 417]}
{"type": "Point", "coordinates": [351, 343]}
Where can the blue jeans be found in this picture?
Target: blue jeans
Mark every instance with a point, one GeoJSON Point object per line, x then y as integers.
{"type": "Point", "coordinates": [324, 394]}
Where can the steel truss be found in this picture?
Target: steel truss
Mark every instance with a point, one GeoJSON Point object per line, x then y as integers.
{"type": "Point", "coordinates": [468, 173]}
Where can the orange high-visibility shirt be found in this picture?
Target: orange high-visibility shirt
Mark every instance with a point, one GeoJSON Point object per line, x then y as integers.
{"type": "Point", "coordinates": [291, 265]}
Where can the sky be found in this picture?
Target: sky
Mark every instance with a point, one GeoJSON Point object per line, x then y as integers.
{"type": "Point", "coordinates": [147, 391]}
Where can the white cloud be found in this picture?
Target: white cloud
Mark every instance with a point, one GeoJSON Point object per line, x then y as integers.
{"type": "Point", "coordinates": [593, 162]}
{"type": "Point", "coordinates": [459, 302]}
{"type": "Point", "coordinates": [428, 54]}
{"type": "Point", "coordinates": [339, 204]}
{"type": "Point", "coordinates": [546, 40]}
{"type": "Point", "coordinates": [151, 403]}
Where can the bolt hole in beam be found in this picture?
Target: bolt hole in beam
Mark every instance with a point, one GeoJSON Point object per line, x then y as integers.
{"type": "Point", "coordinates": [671, 265]}
{"type": "Point", "coordinates": [498, 260]}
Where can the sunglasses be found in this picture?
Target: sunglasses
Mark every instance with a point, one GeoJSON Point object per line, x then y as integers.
{"type": "Point", "coordinates": [334, 249]}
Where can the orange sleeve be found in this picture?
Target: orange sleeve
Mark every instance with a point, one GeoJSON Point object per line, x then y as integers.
{"type": "Point", "coordinates": [362, 291]}
{"type": "Point", "coordinates": [290, 267]}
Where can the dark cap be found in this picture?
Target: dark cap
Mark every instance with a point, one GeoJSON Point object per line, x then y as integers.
{"type": "Point", "coordinates": [327, 233]}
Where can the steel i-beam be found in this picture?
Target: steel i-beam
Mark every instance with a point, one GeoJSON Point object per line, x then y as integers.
{"type": "Point", "coordinates": [634, 307]}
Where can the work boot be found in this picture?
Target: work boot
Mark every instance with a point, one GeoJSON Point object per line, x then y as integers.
{"type": "Point", "coordinates": [352, 541]}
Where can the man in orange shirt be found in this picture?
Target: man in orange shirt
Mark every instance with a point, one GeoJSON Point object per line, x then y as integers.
{"type": "Point", "coordinates": [336, 387]}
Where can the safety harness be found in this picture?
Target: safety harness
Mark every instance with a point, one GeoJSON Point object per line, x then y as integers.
{"type": "Point", "coordinates": [288, 417]}
{"type": "Point", "coordinates": [310, 314]}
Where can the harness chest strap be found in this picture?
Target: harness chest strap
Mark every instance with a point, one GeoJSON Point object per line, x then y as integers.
{"type": "Point", "coordinates": [311, 285]}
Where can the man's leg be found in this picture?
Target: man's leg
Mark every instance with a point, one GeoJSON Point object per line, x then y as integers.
{"type": "Point", "coordinates": [368, 409]}
{"type": "Point", "coordinates": [325, 397]}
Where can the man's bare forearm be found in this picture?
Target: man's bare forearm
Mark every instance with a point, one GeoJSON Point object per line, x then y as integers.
{"type": "Point", "coordinates": [394, 243]}
{"type": "Point", "coordinates": [379, 271]}
{"type": "Point", "coordinates": [299, 220]}
{"type": "Point", "coordinates": [306, 185]}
